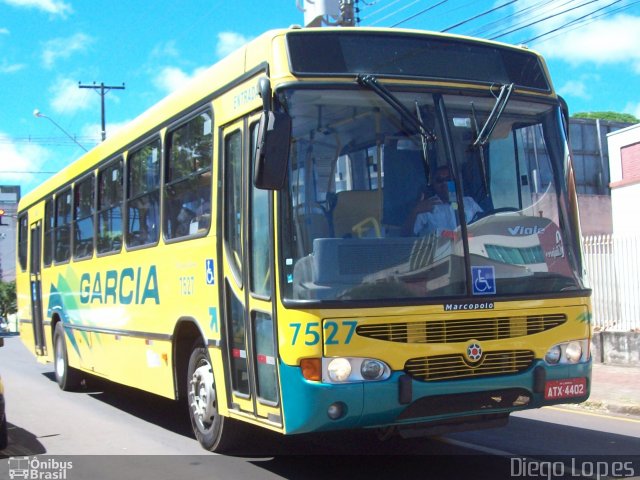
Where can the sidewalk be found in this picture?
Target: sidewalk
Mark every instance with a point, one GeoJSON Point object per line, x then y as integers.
{"type": "Point", "coordinates": [615, 389]}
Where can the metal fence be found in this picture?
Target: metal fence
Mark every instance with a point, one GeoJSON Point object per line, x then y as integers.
{"type": "Point", "coordinates": [613, 265]}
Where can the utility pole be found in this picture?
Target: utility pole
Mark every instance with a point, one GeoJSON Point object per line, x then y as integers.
{"type": "Point", "coordinates": [332, 13]}
{"type": "Point", "coordinates": [102, 90]}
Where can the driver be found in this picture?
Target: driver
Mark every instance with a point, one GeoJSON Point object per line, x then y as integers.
{"type": "Point", "coordinates": [436, 214]}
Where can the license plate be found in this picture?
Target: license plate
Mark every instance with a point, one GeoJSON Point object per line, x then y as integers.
{"type": "Point", "coordinates": [565, 388]}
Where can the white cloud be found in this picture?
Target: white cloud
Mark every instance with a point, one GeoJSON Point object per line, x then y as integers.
{"type": "Point", "coordinates": [93, 132]}
{"type": "Point", "coordinates": [633, 109]}
{"type": "Point", "coordinates": [58, 48]}
{"type": "Point", "coordinates": [54, 7]}
{"type": "Point", "coordinates": [171, 78]}
{"type": "Point", "coordinates": [21, 157]}
{"type": "Point", "coordinates": [230, 41]}
{"type": "Point", "coordinates": [164, 50]}
{"type": "Point", "coordinates": [575, 88]}
{"type": "Point", "coordinates": [6, 67]}
{"type": "Point", "coordinates": [68, 98]}
{"type": "Point", "coordinates": [610, 40]}
{"type": "Point", "coordinates": [4, 31]}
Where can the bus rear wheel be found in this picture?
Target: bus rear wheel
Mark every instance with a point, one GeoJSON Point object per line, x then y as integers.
{"type": "Point", "coordinates": [214, 432]}
{"type": "Point", "coordinates": [4, 434]}
{"type": "Point", "coordinates": [68, 378]}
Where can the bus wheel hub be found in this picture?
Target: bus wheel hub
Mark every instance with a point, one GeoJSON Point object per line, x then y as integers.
{"type": "Point", "coordinates": [203, 394]}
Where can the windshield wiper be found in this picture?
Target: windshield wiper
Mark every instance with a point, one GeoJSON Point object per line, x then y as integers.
{"type": "Point", "coordinates": [494, 116]}
{"type": "Point", "coordinates": [415, 121]}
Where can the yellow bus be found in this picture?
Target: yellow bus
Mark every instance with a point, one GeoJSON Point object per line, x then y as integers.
{"type": "Point", "coordinates": [329, 229]}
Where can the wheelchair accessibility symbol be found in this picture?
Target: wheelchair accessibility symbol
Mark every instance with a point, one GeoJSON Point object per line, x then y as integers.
{"type": "Point", "coordinates": [209, 272]}
{"type": "Point", "coordinates": [484, 280]}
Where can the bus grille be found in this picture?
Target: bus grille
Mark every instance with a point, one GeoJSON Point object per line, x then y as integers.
{"type": "Point", "coordinates": [452, 331]}
{"type": "Point", "coordinates": [446, 367]}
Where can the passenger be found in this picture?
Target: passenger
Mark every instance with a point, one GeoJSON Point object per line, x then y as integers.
{"type": "Point", "coordinates": [435, 215]}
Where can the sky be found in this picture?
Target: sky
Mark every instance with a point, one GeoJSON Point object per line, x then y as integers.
{"type": "Point", "coordinates": [47, 47]}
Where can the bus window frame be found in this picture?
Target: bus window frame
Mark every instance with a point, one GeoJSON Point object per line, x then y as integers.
{"type": "Point", "coordinates": [88, 176]}
{"type": "Point", "coordinates": [48, 231]}
{"type": "Point", "coordinates": [252, 136]}
{"type": "Point", "coordinates": [134, 148]}
{"type": "Point", "coordinates": [67, 189]}
{"type": "Point", "coordinates": [166, 153]}
{"type": "Point", "coordinates": [236, 264]}
{"type": "Point", "coordinates": [23, 241]}
{"type": "Point", "coordinates": [103, 167]}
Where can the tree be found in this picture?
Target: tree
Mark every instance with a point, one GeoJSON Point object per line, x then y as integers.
{"type": "Point", "coordinates": [7, 298]}
{"type": "Point", "coordinates": [609, 116]}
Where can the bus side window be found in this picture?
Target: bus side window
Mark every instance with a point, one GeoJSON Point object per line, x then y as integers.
{"type": "Point", "coordinates": [23, 241]}
{"type": "Point", "coordinates": [144, 195]}
{"type": "Point", "coordinates": [62, 230]}
{"type": "Point", "coordinates": [49, 223]}
{"type": "Point", "coordinates": [110, 197]}
{"type": "Point", "coordinates": [187, 193]}
{"type": "Point", "coordinates": [83, 218]}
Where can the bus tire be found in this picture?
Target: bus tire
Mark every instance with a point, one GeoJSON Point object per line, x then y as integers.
{"type": "Point", "coordinates": [4, 434]}
{"type": "Point", "coordinates": [68, 378]}
{"type": "Point", "coordinates": [214, 432]}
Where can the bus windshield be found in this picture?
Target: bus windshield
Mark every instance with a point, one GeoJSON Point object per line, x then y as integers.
{"type": "Point", "coordinates": [378, 209]}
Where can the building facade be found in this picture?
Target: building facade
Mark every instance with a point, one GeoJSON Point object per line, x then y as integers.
{"type": "Point", "coordinates": [9, 198]}
{"type": "Point", "coordinates": [624, 165]}
{"type": "Point", "coordinates": [588, 139]}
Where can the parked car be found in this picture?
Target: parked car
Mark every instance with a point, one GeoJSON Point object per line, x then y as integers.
{"type": "Point", "coordinates": [4, 437]}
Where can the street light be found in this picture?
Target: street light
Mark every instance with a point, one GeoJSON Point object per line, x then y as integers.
{"type": "Point", "coordinates": [38, 114]}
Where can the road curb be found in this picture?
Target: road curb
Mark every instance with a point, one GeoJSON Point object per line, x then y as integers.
{"type": "Point", "coordinates": [601, 406]}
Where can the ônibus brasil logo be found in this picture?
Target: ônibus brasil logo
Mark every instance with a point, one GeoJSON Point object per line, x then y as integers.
{"type": "Point", "coordinates": [38, 468]}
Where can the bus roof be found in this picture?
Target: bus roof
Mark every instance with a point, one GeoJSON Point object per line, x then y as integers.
{"type": "Point", "coordinates": [253, 56]}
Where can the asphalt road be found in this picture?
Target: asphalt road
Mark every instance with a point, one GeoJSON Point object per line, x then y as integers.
{"type": "Point", "coordinates": [108, 431]}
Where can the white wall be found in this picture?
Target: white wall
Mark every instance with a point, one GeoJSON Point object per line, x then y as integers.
{"type": "Point", "coordinates": [625, 193]}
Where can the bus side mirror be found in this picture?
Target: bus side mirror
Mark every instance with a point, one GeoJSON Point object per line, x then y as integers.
{"type": "Point", "coordinates": [272, 146]}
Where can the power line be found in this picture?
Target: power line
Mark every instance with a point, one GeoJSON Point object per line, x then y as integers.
{"type": "Point", "coordinates": [495, 37]}
{"type": "Point", "coordinates": [33, 172]}
{"type": "Point", "coordinates": [478, 16]}
{"type": "Point", "coordinates": [541, 10]}
{"type": "Point", "coordinates": [486, 28]}
{"type": "Point", "coordinates": [396, 12]}
{"type": "Point", "coordinates": [56, 141]}
{"type": "Point", "coordinates": [419, 13]}
{"type": "Point", "coordinates": [581, 23]}
{"type": "Point", "coordinates": [574, 21]}
{"type": "Point", "coordinates": [381, 9]}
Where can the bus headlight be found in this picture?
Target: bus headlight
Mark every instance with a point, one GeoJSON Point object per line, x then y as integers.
{"type": "Point", "coordinates": [568, 353]}
{"type": "Point", "coordinates": [573, 352]}
{"type": "Point", "coordinates": [371, 369]}
{"type": "Point", "coordinates": [553, 355]}
{"type": "Point", "coordinates": [339, 369]}
{"type": "Point", "coordinates": [354, 369]}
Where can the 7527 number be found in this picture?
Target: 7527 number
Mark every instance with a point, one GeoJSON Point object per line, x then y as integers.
{"type": "Point", "coordinates": [335, 332]}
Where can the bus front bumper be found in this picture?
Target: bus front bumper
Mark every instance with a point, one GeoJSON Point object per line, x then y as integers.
{"type": "Point", "coordinates": [308, 406]}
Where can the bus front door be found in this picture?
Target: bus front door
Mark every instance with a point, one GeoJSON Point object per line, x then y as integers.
{"type": "Point", "coordinates": [248, 316]}
{"type": "Point", "coordinates": [36, 289]}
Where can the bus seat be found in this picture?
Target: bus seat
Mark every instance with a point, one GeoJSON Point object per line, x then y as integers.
{"type": "Point", "coordinates": [352, 208]}
{"type": "Point", "coordinates": [404, 180]}
{"type": "Point", "coordinates": [313, 224]}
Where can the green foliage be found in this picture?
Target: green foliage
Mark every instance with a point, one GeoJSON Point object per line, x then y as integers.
{"type": "Point", "coordinates": [609, 116]}
{"type": "Point", "coordinates": [7, 298]}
